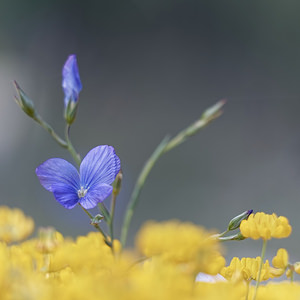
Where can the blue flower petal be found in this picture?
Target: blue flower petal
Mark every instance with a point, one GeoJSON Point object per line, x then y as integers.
{"type": "Point", "coordinates": [100, 165]}
{"type": "Point", "coordinates": [62, 179]}
{"type": "Point", "coordinates": [95, 195]}
{"type": "Point", "coordinates": [66, 196]}
{"type": "Point", "coordinates": [71, 81]}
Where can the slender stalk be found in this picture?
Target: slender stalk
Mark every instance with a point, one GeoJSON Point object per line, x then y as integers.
{"type": "Point", "coordinates": [292, 276]}
{"type": "Point", "coordinates": [209, 115]}
{"type": "Point", "coordinates": [263, 252]}
{"type": "Point", "coordinates": [97, 226]}
{"type": "Point", "coordinates": [112, 214]}
{"type": "Point", "coordinates": [219, 235]}
{"type": "Point", "coordinates": [104, 211]}
{"type": "Point", "coordinates": [138, 187]}
{"type": "Point", "coordinates": [48, 128]}
{"type": "Point", "coordinates": [70, 146]}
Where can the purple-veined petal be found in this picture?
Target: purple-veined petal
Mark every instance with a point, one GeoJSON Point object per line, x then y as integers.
{"type": "Point", "coordinates": [100, 165]}
{"type": "Point", "coordinates": [61, 178]}
{"type": "Point", "coordinates": [95, 195]}
{"type": "Point", "coordinates": [71, 81]}
{"type": "Point", "coordinates": [66, 195]}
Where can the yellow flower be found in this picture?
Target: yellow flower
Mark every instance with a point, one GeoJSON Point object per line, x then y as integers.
{"type": "Point", "coordinates": [281, 260]}
{"type": "Point", "coordinates": [248, 268]}
{"type": "Point", "coordinates": [265, 226]}
{"type": "Point", "coordinates": [181, 243]}
{"type": "Point", "coordinates": [14, 225]}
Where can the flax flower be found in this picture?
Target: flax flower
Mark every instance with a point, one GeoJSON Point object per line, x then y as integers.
{"type": "Point", "coordinates": [92, 185]}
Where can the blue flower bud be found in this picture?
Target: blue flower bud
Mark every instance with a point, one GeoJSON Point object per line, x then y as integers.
{"type": "Point", "coordinates": [71, 85]}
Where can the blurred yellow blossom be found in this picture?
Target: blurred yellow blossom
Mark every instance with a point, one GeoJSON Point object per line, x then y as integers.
{"type": "Point", "coordinates": [14, 225]}
{"type": "Point", "coordinates": [181, 243]}
{"type": "Point", "coordinates": [54, 267]}
{"type": "Point", "coordinates": [261, 225]}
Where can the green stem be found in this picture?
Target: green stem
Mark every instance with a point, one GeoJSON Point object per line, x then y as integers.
{"type": "Point", "coordinates": [97, 226]}
{"type": "Point", "coordinates": [112, 214]}
{"type": "Point", "coordinates": [209, 115]}
{"type": "Point", "coordinates": [262, 256]}
{"type": "Point", "coordinates": [104, 212]}
{"type": "Point", "coordinates": [70, 146]}
{"type": "Point", "coordinates": [292, 276]}
{"type": "Point", "coordinates": [218, 235]}
{"type": "Point", "coordinates": [48, 128]}
{"type": "Point", "coordinates": [138, 187]}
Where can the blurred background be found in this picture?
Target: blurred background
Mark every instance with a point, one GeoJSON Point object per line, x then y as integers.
{"type": "Point", "coordinates": [149, 68]}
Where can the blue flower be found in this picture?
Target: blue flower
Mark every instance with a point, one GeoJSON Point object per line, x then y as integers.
{"type": "Point", "coordinates": [89, 187]}
{"type": "Point", "coordinates": [71, 81]}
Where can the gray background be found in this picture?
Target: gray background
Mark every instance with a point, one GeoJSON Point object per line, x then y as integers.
{"type": "Point", "coordinates": [149, 68]}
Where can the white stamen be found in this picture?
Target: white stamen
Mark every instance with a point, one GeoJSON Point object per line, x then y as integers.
{"type": "Point", "coordinates": [82, 192]}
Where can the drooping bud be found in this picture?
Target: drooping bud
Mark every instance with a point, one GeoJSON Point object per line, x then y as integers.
{"type": "Point", "coordinates": [24, 102]}
{"type": "Point", "coordinates": [117, 184]}
{"type": "Point", "coordinates": [236, 221]}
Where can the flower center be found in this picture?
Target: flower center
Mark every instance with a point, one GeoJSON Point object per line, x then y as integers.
{"type": "Point", "coordinates": [82, 192]}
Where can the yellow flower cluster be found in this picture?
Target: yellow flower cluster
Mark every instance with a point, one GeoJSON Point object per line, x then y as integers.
{"type": "Point", "coordinates": [261, 225]}
{"type": "Point", "coordinates": [51, 266]}
{"type": "Point", "coordinates": [14, 225]}
{"type": "Point", "coordinates": [248, 268]}
{"type": "Point", "coordinates": [181, 243]}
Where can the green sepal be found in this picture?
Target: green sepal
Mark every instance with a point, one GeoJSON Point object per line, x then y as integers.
{"type": "Point", "coordinates": [24, 102]}
{"type": "Point", "coordinates": [70, 112]}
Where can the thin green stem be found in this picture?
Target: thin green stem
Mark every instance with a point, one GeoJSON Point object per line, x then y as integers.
{"type": "Point", "coordinates": [292, 276]}
{"type": "Point", "coordinates": [262, 256]}
{"type": "Point", "coordinates": [138, 187]}
{"type": "Point", "coordinates": [104, 211]}
{"type": "Point", "coordinates": [97, 226]}
{"type": "Point", "coordinates": [48, 128]}
{"type": "Point", "coordinates": [70, 146]}
{"type": "Point", "coordinates": [218, 235]}
{"type": "Point", "coordinates": [112, 215]}
{"type": "Point", "coordinates": [209, 115]}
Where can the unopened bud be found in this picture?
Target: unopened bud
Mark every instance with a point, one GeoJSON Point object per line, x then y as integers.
{"type": "Point", "coordinates": [24, 102]}
{"type": "Point", "coordinates": [70, 112]}
{"type": "Point", "coordinates": [117, 184]}
{"type": "Point", "coordinates": [236, 221]}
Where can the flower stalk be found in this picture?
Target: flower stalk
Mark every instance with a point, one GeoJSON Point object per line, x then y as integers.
{"type": "Point", "coordinates": [165, 146]}
{"type": "Point", "coordinates": [263, 253]}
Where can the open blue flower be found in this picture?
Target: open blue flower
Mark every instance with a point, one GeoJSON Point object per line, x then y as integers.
{"type": "Point", "coordinates": [98, 170]}
{"type": "Point", "coordinates": [71, 81]}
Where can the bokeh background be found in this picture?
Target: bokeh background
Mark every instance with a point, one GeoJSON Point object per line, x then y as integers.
{"type": "Point", "coordinates": [149, 68]}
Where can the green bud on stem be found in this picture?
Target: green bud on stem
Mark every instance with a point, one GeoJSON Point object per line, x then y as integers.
{"type": "Point", "coordinates": [70, 112]}
{"type": "Point", "coordinates": [236, 221]}
{"type": "Point", "coordinates": [24, 102]}
{"type": "Point", "coordinates": [117, 184]}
